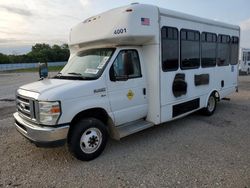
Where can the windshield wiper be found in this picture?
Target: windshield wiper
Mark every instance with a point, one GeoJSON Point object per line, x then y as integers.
{"type": "Point", "coordinates": [59, 74]}
{"type": "Point", "coordinates": [80, 76]}
{"type": "Point", "coordinates": [77, 76]}
{"type": "Point", "coordinates": [75, 73]}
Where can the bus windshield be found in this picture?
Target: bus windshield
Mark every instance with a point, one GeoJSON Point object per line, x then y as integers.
{"type": "Point", "coordinates": [88, 64]}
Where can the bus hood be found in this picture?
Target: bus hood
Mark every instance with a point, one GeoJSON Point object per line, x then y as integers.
{"type": "Point", "coordinates": [58, 89]}
{"type": "Point", "coordinates": [45, 85]}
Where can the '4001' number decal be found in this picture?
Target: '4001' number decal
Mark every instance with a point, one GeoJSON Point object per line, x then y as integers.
{"type": "Point", "coordinates": [120, 31]}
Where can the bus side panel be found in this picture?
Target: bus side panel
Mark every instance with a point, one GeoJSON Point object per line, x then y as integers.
{"type": "Point", "coordinates": [194, 91]}
{"type": "Point", "coordinates": [226, 80]}
{"type": "Point", "coordinates": [150, 54]}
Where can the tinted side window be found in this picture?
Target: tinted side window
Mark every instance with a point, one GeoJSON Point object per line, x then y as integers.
{"type": "Point", "coordinates": [127, 63]}
{"type": "Point", "coordinates": [170, 48]}
{"type": "Point", "coordinates": [248, 56]}
{"type": "Point", "coordinates": [244, 56]}
{"type": "Point", "coordinates": [190, 49]}
{"type": "Point", "coordinates": [234, 50]}
{"type": "Point", "coordinates": [223, 50]}
{"type": "Point", "coordinates": [208, 49]}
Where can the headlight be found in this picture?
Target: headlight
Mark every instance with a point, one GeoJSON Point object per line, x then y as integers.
{"type": "Point", "coordinates": [49, 112]}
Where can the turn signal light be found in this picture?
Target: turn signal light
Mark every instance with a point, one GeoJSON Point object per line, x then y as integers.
{"type": "Point", "coordinates": [55, 109]}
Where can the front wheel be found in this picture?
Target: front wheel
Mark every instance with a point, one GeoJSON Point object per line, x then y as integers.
{"type": "Point", "coordinates": [211, 105]}
{"type": "Point", "coordinates": [88, 139]}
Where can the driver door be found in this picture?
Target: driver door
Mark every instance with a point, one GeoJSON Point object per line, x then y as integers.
{"type": "Point", "coordinates": [127, 87]}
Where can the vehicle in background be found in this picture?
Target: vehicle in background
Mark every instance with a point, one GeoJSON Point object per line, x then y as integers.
{"type": "Point", "coordinates": [244, 66]}
{"type": "Point", "coordinates": [130, 68]}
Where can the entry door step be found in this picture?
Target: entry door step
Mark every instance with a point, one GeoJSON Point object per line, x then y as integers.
{"type": "Point", "coordinates": [133, 127]}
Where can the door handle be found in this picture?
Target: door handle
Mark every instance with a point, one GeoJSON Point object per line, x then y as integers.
{"type": "Point", "coordinates": [144, 91]}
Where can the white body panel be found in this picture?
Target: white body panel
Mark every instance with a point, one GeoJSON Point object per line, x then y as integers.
{"type": "Point", "coordinates": [151, 58]}
{"type": "Point", "coordinates": [100, 29]}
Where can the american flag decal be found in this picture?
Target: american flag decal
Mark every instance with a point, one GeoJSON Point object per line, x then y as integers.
{"type": "Point", "coordinates": [145, 21]}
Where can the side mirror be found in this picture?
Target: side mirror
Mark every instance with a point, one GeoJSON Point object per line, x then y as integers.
{"type": "Point", "coordinates": [43, 70]}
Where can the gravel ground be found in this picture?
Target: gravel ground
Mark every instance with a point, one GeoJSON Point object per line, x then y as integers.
{"type": "Point", "coordinates": [195, 151]}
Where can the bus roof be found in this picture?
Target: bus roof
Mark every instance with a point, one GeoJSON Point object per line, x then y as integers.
{"type": "Point", "coordinates": [184, 16]}
{"type": "Point", "coordinates": [135, 24]}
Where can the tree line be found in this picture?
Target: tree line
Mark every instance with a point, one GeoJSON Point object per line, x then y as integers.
{"type": "Point", "coordinates": [39, 53]}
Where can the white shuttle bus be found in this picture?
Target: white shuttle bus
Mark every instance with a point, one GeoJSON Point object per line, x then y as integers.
{"type": "Point", "coordinates": [129, 69]}
{"type": "Point", "coordinates": [244, 66]}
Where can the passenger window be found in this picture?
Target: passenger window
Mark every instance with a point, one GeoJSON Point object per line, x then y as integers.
{"type": "Point", "coordinates": [170, 49]}
{"type": "Point", "coordinates": [244, 56]}
{"type": "Point", "coordinates": [234, 50]}
{"type": "Point", "coordinates": [190, 49]}
{"type": "Point", "coordinates": [223, 50]}
{"type": "Point", "coordinates": [126, 64]}
{"type": "Point", "coordinates": [208, 49]}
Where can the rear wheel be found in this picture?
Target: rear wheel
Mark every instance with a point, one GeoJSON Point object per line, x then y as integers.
{"type": "Point", "coordinates": [211, 105]}
{"type": "Point", "coordinates": [88, 139]}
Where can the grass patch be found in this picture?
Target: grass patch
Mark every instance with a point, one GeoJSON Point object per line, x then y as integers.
{"type": "Point", "coordinates": [51, 69]}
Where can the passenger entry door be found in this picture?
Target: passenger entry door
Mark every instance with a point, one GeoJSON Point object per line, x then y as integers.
{"type": "Point", "coordinates": [127, 88]}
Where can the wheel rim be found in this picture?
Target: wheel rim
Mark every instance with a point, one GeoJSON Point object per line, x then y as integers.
{"type": "Point", "coordinates": [211, 104]}
{"type": "Point", "coordinates": [91, 140]}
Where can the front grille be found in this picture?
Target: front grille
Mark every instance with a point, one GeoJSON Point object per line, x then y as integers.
{"type": "Point", "coordinates": [25, 107]}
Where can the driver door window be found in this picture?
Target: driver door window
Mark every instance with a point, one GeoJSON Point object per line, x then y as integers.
{"type": "Point", "coordinates": [127, 64]}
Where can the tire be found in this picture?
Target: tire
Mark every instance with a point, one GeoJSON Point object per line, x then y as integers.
{"type": "Point", "coordinates": [88, 139]}
{"type": "Point", "coordinates": [211, 105]}
{"type": "Point", "coordinates": [248, 71]}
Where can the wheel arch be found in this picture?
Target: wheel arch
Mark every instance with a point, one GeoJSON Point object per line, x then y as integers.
{"type": "Point", "coordinates": [98, 113]}
{"type": "Point", "coordinates": [213, 92]}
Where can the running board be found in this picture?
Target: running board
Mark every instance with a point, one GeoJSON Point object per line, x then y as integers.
{"type": "Point", "coordinates": [133, 127]}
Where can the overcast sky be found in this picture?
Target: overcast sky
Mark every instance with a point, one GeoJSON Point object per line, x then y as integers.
{"type": "Point", "coordinates": [26, 22]}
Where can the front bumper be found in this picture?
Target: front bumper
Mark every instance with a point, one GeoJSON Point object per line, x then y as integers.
{"type": "Point", "coordinates": [41, 135]}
